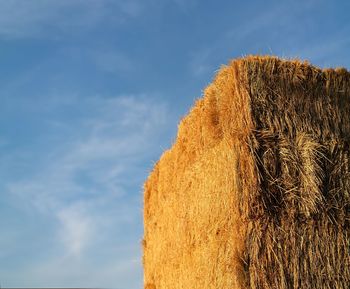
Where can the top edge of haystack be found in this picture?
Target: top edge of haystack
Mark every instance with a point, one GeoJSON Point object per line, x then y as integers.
{"type": "Point", "coordinates": [247, 72]}
{"type": "Point", "coordinates": [273, 60]}
{"type": "Point", "coordinates": [262, 92]}
{"type": "Point", "coordinates": [285, 94]}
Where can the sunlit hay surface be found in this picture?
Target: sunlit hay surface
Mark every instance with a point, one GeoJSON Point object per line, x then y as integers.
{"type": "Point", "coordinates": [254, 193]}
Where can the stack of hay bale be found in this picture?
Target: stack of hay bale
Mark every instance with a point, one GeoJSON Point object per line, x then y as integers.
{"type": "Point", "coordinates": [255, 192]}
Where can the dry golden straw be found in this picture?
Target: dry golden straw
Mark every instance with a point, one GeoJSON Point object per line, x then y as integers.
{"type": "Point", "coordinates": [255, 192]}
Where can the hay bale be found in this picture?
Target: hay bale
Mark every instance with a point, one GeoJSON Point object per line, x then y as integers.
{"type": "Point", "coordinates": [255, 192]}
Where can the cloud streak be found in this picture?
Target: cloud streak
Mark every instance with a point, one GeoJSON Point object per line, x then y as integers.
{"type": "Point", "coordinates": [285, 29]}
{"type": "Point", "coordinates": [23, 19]}
{"type": "Point", "coordinates": [90, 186]}
{"type": "Point", "coordinates": [76, 229]}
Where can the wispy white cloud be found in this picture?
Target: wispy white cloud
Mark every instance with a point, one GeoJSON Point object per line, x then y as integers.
{"type": "Point", "coordinates": [124, 272]}
{"type": "Point", "coordinates": [76, 228]}
{"type": "Point", "coordinates": [111, 61]}
{"type": "Point", "coordinates": [201, 61]}
{"type": "Point", "coordinates": [109, 142]}
{"type": "Point", "coordinates": [286, 29]}
{"type": "Point", "coordinates": [33, 18]}
{"type": "Point", "coordinates": [90, 184]}
{"type": "Point", "coordinates": [329, 51]}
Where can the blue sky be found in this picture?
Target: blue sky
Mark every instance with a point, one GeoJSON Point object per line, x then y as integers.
{"type": "Point", "coordinates": [91, 95]}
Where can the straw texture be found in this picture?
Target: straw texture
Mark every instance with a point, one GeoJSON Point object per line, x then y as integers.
{"type": "Point", "coordinates": [255, 192]}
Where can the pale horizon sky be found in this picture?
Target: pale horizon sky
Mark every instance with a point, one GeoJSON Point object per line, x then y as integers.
{"type": "Point", "coordinates": [91, 94]}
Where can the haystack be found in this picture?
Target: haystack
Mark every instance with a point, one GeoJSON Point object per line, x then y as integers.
{"type": "Point", "coordinates": [255, 192]}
